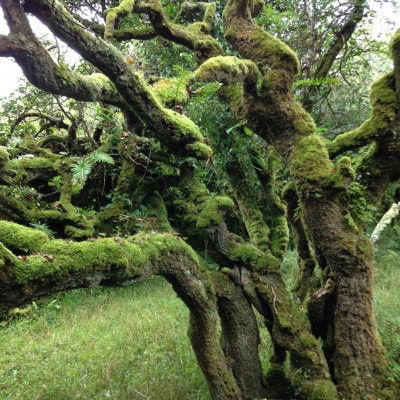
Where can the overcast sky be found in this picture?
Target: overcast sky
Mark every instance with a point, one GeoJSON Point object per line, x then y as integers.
{"type": "Point", "coordinates": [11, 75]}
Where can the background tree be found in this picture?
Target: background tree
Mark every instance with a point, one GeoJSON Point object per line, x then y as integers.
{"type": "Point", "coordinates": [193, 165]}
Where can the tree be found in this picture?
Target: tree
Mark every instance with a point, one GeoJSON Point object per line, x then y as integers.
{"type": "Point", "coordinates": [221, 246]}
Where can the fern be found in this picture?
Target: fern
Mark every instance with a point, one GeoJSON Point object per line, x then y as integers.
{"type": "Point", "coordinates": [81, 170]}
{"type": "Point", "coordinates": [99, 156]}
{"type": "Point", "coordinates": [316, 82]}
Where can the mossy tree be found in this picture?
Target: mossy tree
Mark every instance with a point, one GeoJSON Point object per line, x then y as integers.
{"type": "Point", "coordinates": [236, 228]}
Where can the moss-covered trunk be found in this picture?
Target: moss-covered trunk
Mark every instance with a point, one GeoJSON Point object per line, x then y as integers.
{"type": "Point", "coordinates": [354, 350]}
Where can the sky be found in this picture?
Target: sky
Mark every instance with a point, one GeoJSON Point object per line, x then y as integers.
{"type": "Point", "coordinates": [11, 75]}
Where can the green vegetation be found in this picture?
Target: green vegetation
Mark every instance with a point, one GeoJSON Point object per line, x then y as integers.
{"type": "Point", "coordinates": [118, 344]}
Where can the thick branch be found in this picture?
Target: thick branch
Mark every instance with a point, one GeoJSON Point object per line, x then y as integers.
{"type": "Point", "coordinates": [385, 107]}
{"type": "Point", "coordinates": [44, 73]}
{"type": "Point", "coordinates": [252, 42]}
{"type": "Point", "coordinates": [59, 265]}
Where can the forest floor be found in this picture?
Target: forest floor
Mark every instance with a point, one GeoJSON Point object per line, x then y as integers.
{"type": "Point", "coordinates": [131, 343]}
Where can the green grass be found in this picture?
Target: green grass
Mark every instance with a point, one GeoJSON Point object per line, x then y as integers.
{"type": "Point", "coordinates": [387, 305]}
{"type": "Point", "coordinates": [117, 344]}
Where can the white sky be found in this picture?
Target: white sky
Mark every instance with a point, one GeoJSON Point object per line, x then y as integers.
{"type": "Point", "coordinates": [11, 74]}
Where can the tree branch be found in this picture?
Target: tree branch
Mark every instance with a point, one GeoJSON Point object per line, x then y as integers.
{"type": "Point", "coordinates": [174, 130]}
{"type": "Point", "coordinates": [58, 265]}
{"type": "Point", "coordinates": [385, 108]}
{"type": "Point", "coordinates": [326, 61]}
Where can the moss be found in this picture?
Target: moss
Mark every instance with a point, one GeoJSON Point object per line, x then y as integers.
{"type": "Point", "coordinates": [343, 174]}
{"type": "Point", "coordinates": [385, 107]}
{"type": "Point", "coordinates": [4, 157]}
{"type": "Point", "coordinates": [25, 165]}
{"type": "Point", "coordinates": [228, 70]}
{"type": "Point", "coordinates": [21, 239]}
{"type": "Point", "coordinates": [60, 258]}
{"type": "Point", "coordinates": [124, 8]}
{"type": "Point", "coordinates": [171, 91]}
{"type": "Point", "coordinates": [211, 210]}
{"type": "Point", "coordinates": [234, 96]}
{"type": "Point", "coordinates": [251, 256]}
{"type": "Point", "coordinates": [395, 50]}
{"type": "Point", "coordinates": [310, 160]}
{"type": "Point", "coordinates": [302, 121]}
{"type": "Point", "coordinates": [318, 390]}
{"type": "Point", "coordinates": [201, 149]}
{"type": "Point", "coordinates": [99, 81]}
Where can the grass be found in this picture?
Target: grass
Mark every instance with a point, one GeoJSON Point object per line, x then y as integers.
{"type": "Point", "coordinates": [117, 344]}
{"type": "Point", "coordinates": [387, 305]}
{"type": "Point", "coordinates": [131, 343]}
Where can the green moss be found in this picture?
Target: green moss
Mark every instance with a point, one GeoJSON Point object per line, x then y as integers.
{"type": "Point", "coordinates": [124, 8]}
{"type": "Point", "coordinates": [395, 50]}
{"type": "Point", "coordinates": [227, 70]}
{"type": "Point", "coordinates": [318, 390]}
{"type": "Point", "coordinates": [211, 210]}
{"type": "Point", "coordinates": [310, 160]}
{"type": "Point", "coordinates": [385, 107]}
{"type": "Point", "coordinates": [251, 256]}
{"type": "Point", "coordinates": [21, 239]}
{"type": "Point", "coordinates": [59, 258]}
{"type": "Point", "coordinates": [273, 51]}
{"type": "Point", "coordinates": [302, 121]}
{"type": "Point", "coordinates": [201, 149]}
{"type": "Point", "coordinates": [4, 157]}
{"type": "Point", "coordinates": [234, 96]}
{"type": "Point", "coordinates": [171, 91]}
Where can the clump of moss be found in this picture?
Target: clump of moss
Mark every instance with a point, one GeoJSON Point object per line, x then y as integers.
{"type": "Point", "coordinates": [60, 258]}
{"type": "Point", "coordinates": [228, 70]}
{"type": "Point", "coordinates": [211, 210]}
{"type": "Point", "coordinates": [234, 96]}
{"type": "Point", "coordinates": [310, 160]}
{"type": "Point", "coordinates": [201, 149]}
{"type": "Point", "coordinates": [21, 239]}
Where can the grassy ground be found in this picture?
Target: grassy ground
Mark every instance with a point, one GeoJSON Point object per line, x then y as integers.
{"type": "Point", "coordinates": [131, 343]}
{"type": "Point", "coordinates": [117, 344]}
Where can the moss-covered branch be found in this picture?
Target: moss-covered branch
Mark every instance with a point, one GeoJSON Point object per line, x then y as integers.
{"type": "Point", "coordinates": [229, 70]}
{"type": "Point", "coordinates": [57, 265]}
{"type": "Point", "coordinates": [43, 72]}
{"type": "Point", "coordinates": [195, 36]}
{"type": "Point", "coordinates": [252, 42]}
{"type": "Point", "coordinates": [174, 130]}
{"type": "Point", "coordinates": [124, 8]}
{"type": "Point", "coordinates": [385, 108]}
